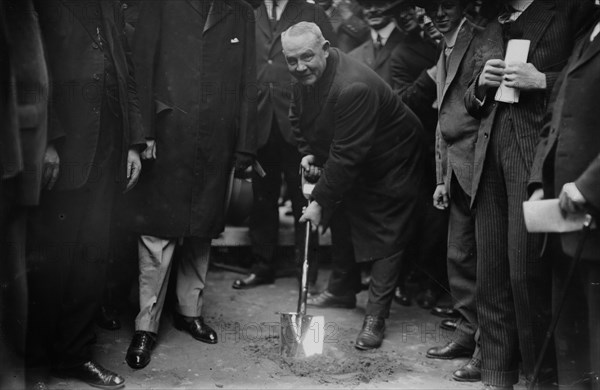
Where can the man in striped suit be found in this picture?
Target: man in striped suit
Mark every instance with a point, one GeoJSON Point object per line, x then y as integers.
{"type": "Point", "coordinates": [513, 283]}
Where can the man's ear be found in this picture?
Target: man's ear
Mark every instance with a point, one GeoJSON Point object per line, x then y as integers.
{"type": "Point", "coordinates": [326, 45]}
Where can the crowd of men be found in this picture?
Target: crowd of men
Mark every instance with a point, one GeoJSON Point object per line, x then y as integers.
{"type": "Point", "coordinates": [122, 122]}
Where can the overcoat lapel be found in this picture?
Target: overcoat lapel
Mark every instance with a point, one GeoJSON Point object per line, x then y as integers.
{"type": "Point", "coordinates": [262, 20]}
{"type": "Point", "coordinates": [592, 50]}
{"type": "Point", "coordinates": [218, 11]}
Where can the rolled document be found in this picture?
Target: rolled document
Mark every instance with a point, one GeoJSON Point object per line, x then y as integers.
{"type": "Point", "coordinates": [517, 50]}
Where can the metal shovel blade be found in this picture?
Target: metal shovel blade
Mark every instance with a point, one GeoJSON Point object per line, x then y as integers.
{"type": "Point", "coordinates": [301, 335]}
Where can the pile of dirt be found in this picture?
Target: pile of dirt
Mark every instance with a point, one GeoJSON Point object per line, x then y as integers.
{"type": "Point", "coordinates": [340, 364]}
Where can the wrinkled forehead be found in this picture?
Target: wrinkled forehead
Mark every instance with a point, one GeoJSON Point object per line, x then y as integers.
{"type": "Point", "coordinates": [296, 43]}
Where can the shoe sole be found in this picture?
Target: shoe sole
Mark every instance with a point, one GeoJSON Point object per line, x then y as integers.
{"type": "Point", "coordinates": [90, 384]}
{"type": "Point", "coordinates": [365, 348]}
{"type": "Point", "coordinates": [448, 358]}
{"type": "Point", "coordinates": [459, 379]}
{"type": "Point", "coordinates": [448, 328]}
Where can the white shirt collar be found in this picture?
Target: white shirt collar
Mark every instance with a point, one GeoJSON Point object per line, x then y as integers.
{"type": "Point", "coordinates": [520, 6]}
{"type": "Point", "coordinates": [279, 9]}
{"type": "Point", "coordinates": [384, 33]}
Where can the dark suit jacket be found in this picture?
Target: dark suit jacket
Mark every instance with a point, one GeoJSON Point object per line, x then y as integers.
{"type": "Point", "coordinates": [350, 33]}
{"type": "Point", "coordinates": [369, 144]}
{"type": "Point", "coordinates": [380, 63]}
{"type": "Point", "coordinates": [408, 64]}
{"type": "Point", "coordinates": [196, 72]}
{"type": "Point", "coordinates": [24, 101]}
{"type": "Point", "coordinates": [553, 27]}
{"type": "Point", "coordinates": [274, 80]}
{"type": "Point", "coordinates": [569, 146]}
{"type": "Point", "coordinates": [76, 66]}
{"type": "Point", "coordinates": [456, 134]}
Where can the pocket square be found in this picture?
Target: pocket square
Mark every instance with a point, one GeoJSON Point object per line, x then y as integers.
{"type": "Point", "coordinates": [235, 40]}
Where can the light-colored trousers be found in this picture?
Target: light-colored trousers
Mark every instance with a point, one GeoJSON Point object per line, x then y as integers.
{"type": "Point", "coordinates": [155, 258]}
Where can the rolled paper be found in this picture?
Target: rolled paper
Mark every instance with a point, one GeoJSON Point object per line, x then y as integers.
{"type": "Point", "coordinates": [517, 50]}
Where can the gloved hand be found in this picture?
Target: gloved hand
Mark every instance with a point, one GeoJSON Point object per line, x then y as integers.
{"type": "Point", "coordinates": [242, 162]}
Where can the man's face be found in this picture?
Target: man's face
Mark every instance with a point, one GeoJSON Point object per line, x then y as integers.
{"type": "Point", "coordinates": [407, 19]}
{"type": "Point", "coordinates": [306, 58]}
{"type": "Point", "coordinates": [373, 16]}
{"type": "Point", "coordinates": [445, 14]}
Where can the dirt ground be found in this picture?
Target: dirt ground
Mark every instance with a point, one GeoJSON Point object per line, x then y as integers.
{"type": "Point", "coordinates": [247, 354]}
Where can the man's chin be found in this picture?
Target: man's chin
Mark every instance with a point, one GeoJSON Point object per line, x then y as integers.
{"type": "Point", "coordinates": [308, 80]}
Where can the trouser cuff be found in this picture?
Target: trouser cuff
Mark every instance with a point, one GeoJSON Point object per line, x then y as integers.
{"type": "Point", "coordinates": [147, 326]}
{"type": "Point", "coordinates": [499, 378]}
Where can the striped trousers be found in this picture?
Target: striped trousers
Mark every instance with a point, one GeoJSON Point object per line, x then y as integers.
{"type": "Point", "coordinates": [513, 281]}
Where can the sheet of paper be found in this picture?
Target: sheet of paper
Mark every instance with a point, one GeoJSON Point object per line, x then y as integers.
{"type": "Point", "coordinates": [517, 50]}
{"type": "Point", "coordinates": [544, 216]}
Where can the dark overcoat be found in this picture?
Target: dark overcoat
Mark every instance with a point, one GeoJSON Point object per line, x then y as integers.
{"type": "Point", "coordinates": [196, 68]}
{"type": "Point", "coordinates": [274, 80]}
{"type": "Point", "coordinates": [370, 146]}
{"type": "Point", "coordinates": [76, 98]}
{"type": "Point", "coordinates": [569, 147]}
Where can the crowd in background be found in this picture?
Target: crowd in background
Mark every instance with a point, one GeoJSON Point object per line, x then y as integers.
{"type": "Point", "coordinates": [122, 122]}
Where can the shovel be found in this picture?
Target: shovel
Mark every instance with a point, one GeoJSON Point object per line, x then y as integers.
{"type": "Point", "coordinates": [302, 335]}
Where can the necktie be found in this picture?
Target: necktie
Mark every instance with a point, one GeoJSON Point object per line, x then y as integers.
{"type": "Point", "coordinates": [378, 44]}
{"type": "Point", "coordinates": [274, 11]}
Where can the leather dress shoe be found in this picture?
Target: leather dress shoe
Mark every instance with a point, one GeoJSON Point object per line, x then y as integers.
{"type": "Point", "coordinates": [93, 374]}
{"type": "Point", "coordinates": [196, 327]}
{"type": "Point", "coordinates": [252, 280]}
{"type": "Point", "coordinates": [371, 334]}
{"type": "Point", "coordinates": [327, 299]}
{"type": "Point", "coordinates": [107, 318]}
{"type": "Point", "coordinates": [401, 296]}
{"type": "Point", "coordinates": [470, 372]}
{"type": "Point", "coordinates": [445, 312]}
{"type": "Point", "coordinates": [427, 299]}
{"type": "Point", "coordinates": [140, 349]}
{"type": "Point", "coordinates": [449, 351]}
{"type": "Point", "coordinates": [448, 324]}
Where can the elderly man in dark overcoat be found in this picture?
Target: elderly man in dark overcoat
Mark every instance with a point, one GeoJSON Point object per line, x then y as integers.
{"type": "Point", "coordinates": [23, 118]}
{"type": "Point", "coordinates": [349, 122]}
{"type": "Point", "coordinates": [94, 139]}
{"type": "Point", "coordinates": [196, 68]}
{"type": "Point", "coordinates": [513, 282]}
{"type": "Point", "coordinates": [567, 166]}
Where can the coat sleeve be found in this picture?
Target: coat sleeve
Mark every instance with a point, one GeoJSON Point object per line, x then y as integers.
{"type": "Point", "coordinates": [441, 157]}
{"type": "Point", "coordinates": [356, 117]}
{"type": "Point", "coordinates": [246, 139]}
{"type": "Point", "coordinates": [294, 116]}
{"type": "Point", "coordinates": [415, 93]}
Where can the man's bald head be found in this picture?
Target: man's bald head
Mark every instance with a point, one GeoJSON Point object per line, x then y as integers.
{"type": "Point", "coordinates": [306, 51]}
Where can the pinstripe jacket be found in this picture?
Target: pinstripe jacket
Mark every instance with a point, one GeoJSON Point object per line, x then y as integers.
{"type": "Point", "coordinates": [553, 27]}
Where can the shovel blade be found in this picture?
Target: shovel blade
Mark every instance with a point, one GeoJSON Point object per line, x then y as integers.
{"type": "Point", "coordinates": [301, 335]}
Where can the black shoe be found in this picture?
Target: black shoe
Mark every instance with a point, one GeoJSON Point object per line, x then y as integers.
{"type": "Point", "coordinates": [371, 334]}
{"type": "Point", "coordinates": [108, 318]}
{"type": "Point", "coordinates": [140, 349]}
{"type": "Point", "coordinates": [401, 296]}
{"type": "Point", "coordinates": [93, 374]}
{"type": "Point", "coordinates": [449, 324]}
{"type": "Point", "coordinates": [328, 300]}
{"type": "Point", "coordinates": [449, 351]}
{"type": "Point", "coordinates": [445, 312]}
{"type": "Point", "coordinates": [427, 299]}
{"type": "Point", "coordinates": [470, 372]}
{"type": "Point", "coordinates": [252, 280]}
{"type": "Point", "coordinates": [197, 328]}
